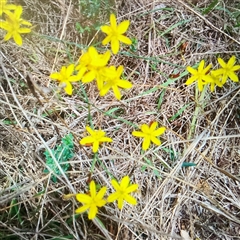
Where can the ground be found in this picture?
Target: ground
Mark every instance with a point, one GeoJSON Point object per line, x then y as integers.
{"type": "Point", "coordinates": [202, 128]}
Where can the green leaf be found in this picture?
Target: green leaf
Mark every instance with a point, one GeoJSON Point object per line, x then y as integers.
{"type": "Point", "coordinates": [210, 7]}
{"type": "Point", "coordinates": [62, 154]}
{"type": "Point", "coordinates": [188, 164]}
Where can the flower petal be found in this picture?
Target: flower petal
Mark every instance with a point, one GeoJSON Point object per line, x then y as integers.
{"type": "Point", "coordinates": [95, 146]}
{"type": "Point", "coordinates": [89, 77]}
{"type": "Point", "coordinates": [105, 139]}
{"type": "Point", "coordinates": [24, 30]}
{"type": "Point", "coordinates": [233, 76]}
{"type": "Point", "coordinates": [146, 143]}
{"type": "Point", "coordinates": [192, 70]}
{"type": "Point", "coordinates": [106, 40]}
{"type": "Point", "coordinates": [138, 134]}
{"type": "Point", "coordinates": [145, 128]}
{"type": "Point", "coordinates": [68, 89]}
{"type": "Point", "coordinates": [159, 131]}
{"type": "Point", "coordinates": [106, 29]}
{"type": "Point", "coordinates": [124, 39]}
{"type": "Point", "coordinates": [115, 45]}
{"type": "Point", "coordinates": [222, 63]}
{"type": "Point", "coordinates": [231, 62]}
{"type": "Point", "coordinates": [120, 202]}
{"type": "Point", "coordinates": [101, 192]}
{"type": "Point", "coordinates": [123, 26]}
{"type": "Point", "coordinates": [113, 197]}
{"type": "Point", "coordinates": [116, 92]}
{"type": "Point", "coordinates": [70, 70]}
{"type": "Point", "coordinates": [132, 188]}
{"type": "Point", "coordinates": [155, 140]}
{"type": "Point", "coordinates": [82, 209]}
{"type": "Point", "coordinates": [92, 212]}
{"type": "Point", "coordinates": [92, 187]}
{"type": "Point", "coordinates": [124, 183]}
{"type": "Point", "coordinates": [153, 126]}
{"type": "Point", "coordinates": [124, 84]}
{"type": "Point", "coordinates": [113, 21]}
{"type": "Point", "coordinates": [87, 140]}
{"type": "Point", "coordinates": [83, 198]}
{"type": "Point", "coordinates": [17, 38]}
{"type": "Point", "coordinates": [115, 184]}
{"type": "Point", "coordinates": [130, 199]}
{"type": "Point", "coordinates": [191, 80]}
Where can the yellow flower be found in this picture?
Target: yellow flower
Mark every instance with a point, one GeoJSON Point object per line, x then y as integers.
{"type": "Point", "coordinates": [149, 134]}
{"type": "Point", "coordinates": [227, 70]}
{"type": "Point", "coordinates": [91, 64]}
{"type": "Point", "coordinates": [113, 80]}
{"type": "Point", "coordinates": [115, 33]}
{"type": "Point", "coordinates": [97, 137]}
{"type": "Point", "coordinates": [65, 77]}
{"type": "Point", "coordinates": [13, 26]}
{"type": "Point", "coordinates": [4, 7]}
{"type": "Point", "coordinates": [200, 75]}
{"type": "Point", "coordinates": [216, 80]}
{"type": "Point", "coordinates": [91, 201]}
{"type": "Point", "coordinates": [122, 192]}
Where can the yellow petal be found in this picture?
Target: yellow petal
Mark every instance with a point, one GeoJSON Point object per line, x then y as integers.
{"type": "Point", "coordinates": [124, 84]}
{"type": "Point", "coordinates": [159, 131]}
{"type": "Point", "coordinates": [123, 26]}
{"type": "Point", "coordinates": [222, 63]}
{"type": "Point", "coordinates": [92, 212]}
{"type": "Point", "coordinates": [95, 146]}
{"type": "Point", "coordinates": [155, 140]}
{"type": "Point", "coordinates": [70, 70]}
{"type": "Point", "coordinates": [89, 130]}
{"type": "Point", "coordinates": [113, 197]}
{"type": "Point", "coordinates": [115, 45]}
{"type": "Point", "coordinates": [125, 39]}
{"type": "Point", "coordinates": [93, 189]}
{"type": "Point", "coordinates": [138, 134]}
{"type": "Point", "coordinates": [115, 184]}
{"type": "Point", "coordinates": [124, 182]}
{"type": "Point", "coordinates": [89, 77]}
{"type": "Point", "coordinates": [130, 199]}
{"type": "Point", "coordinates": [68, 89]}
{"type": "Point", "coordinates": [54, 75]}
{"type": "Point", "coordinates": [231, 62]}
{"type": "Point", "coordinates": [120, 202]}
{"type": "Point", "coordinates": [116, 92]}
{"type": "Point", "coordinates": [153, 126]}
{"type": "Point", "coordinates": [106, 29]}
{"type": "Point", "coordinates": [17, 38]}
{"type": "Point", "coordinates": [87, 140]}
{"type": "Point", "coordinates": [105, 139]}
{"type": "Point", "coordinates": [146, 143]}
{"type": "Point", "coordinates": [106, 40]}
{"type": "Point", "coordinates": [132, 188]}
{"type": "Point", "coordinates": [83, 198]}
{"type": "Point", "coordinates": [113, 21]}
{"type": "Point", "coordinates": [233, 76]}
{"type": "Point", "coordinates": [82, 209]}
{"type": "Point", "coordinates": [192, 70]}
{"type": "Point", "coordinates": [101, 192]}
{"type": "Point", "coordinates": [201, 66]}
{"type": "Point", "coordinates": [24, 30]}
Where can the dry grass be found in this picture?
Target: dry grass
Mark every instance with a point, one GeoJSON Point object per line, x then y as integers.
{"type": "Point", "coordinates": [203, 200]}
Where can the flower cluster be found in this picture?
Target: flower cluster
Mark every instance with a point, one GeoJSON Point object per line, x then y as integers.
{"type": "Point", "coordinates": [148, 133]}
{"type": "Point", "coordinates": [93, 200]}
{"type": "Point", "coordinates": [13, 22]}
{"type": "Point", "coordinates": [92, 65]}
{"type": "Point", "coordinates": [218, 77]}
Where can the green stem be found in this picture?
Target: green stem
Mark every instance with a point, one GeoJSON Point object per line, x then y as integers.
{"type": "Point", "coordinates": [199, 107]}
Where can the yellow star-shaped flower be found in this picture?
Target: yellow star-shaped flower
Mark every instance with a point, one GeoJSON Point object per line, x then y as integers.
{"type": "Point", "coordinates": [113, 80]}
{"type": "Point", "coordinates": [91, 201]}
{"type": "Point", "coordinates": [200, 75]}
{"type": "Point", "coordinates": [115, 34]}
{"type": "Point", "coordinates": [97, 137]}
{"type": "Point", "coordinates": [227, 70]}
{"type": "Point", "coordinates": [122, 192]}
{"type": "Point", "coordinates": [91, 64]}
{"type": "Point", "coordinates": [13, 26]}
{"type": "Point", "coordinates": [66, 77]}
{"type": "Point", "coordinates": [149, 134]}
